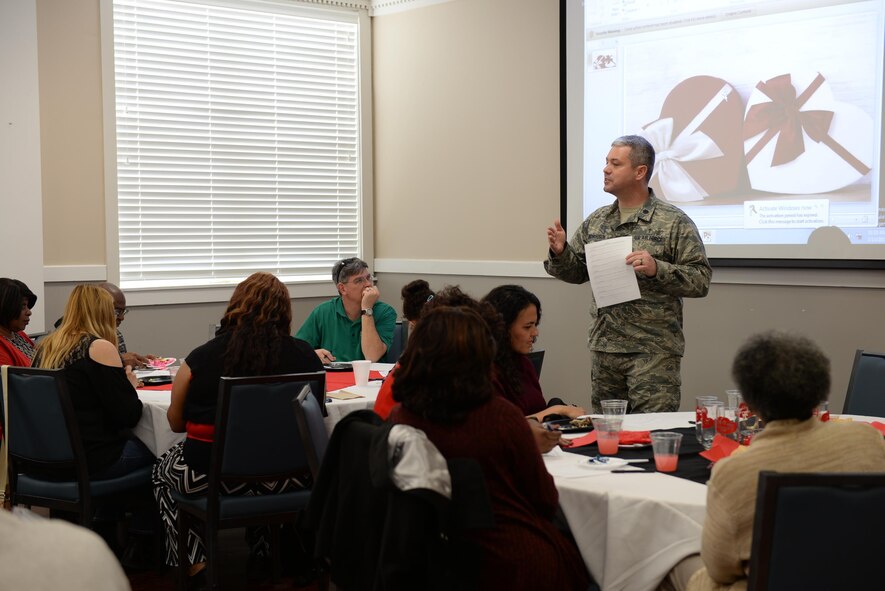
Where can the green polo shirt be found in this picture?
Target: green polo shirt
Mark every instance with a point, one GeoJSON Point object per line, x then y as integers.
{"type": "Point", "coordinates": [328, 327]}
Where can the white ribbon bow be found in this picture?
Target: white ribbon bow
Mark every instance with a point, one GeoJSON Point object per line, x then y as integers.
{"type": "Point", "coordinates": [676, 184]}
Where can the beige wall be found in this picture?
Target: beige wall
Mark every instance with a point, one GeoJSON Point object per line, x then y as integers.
{"type": "Point", "coordinates": [466, 169]}
{"type": "Point", "coordinates": [466, 130]}
{"type": "Point", "coordinates": [69, 54]}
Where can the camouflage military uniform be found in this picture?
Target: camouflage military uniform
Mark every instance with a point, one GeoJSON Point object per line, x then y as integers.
{"type": "Point", "coordinates": [637, 346]}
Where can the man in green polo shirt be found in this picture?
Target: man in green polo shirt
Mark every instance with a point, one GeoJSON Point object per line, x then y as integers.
{"type": "Point", "coordinates": [355, 325]}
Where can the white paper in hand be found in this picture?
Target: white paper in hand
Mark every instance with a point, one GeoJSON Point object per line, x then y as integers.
{"type": "Point", "coordinates": [612, 280]}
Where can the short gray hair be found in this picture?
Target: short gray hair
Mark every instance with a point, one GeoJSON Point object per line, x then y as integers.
{"type": "Point", "coordinates": [347, 268]}
{"type": "Point", "coordinates": [641, 152]}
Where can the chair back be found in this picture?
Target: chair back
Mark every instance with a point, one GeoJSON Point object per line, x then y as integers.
{"type": "Point", "coordinates": [866, 388]}
{"type": "Point", "coordinates": [835, 520]}
{"type": "Point", "coordinates": [312, 429]}
{"type": "Point", "coordinates": [537, 359]}
{"type": "Point", "coordinates": [400, 336]}
{"type": "Point", "coordinates": [42, 426]}
{"type": "Point", "coordinates": [257, 436]}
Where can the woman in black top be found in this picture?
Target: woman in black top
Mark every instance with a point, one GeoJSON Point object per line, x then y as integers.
{"type": "Point", "coordinates": [254, 339]}
{"type": "Point", "coordinates": [102, 391]}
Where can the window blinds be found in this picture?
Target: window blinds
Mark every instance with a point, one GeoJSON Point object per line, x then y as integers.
{"type": "Point", "coordinates": [237, 129]}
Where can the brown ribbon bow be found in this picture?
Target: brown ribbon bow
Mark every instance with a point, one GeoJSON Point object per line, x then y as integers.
{"type": "Point", "coordinates": [783, 117]}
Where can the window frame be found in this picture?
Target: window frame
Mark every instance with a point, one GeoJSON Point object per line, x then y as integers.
{"type": "Point", "coordinates": [322, 285]}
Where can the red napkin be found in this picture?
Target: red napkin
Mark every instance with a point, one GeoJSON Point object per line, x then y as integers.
{"type": "Point", "coordinates": [336, 380]}
{"type": "Point", "coordinates": [160, 387]}
{"type": "Point", "coordinates": [722, 448]}
{"type": "Point", "coordinates": [880, 427]}
{"type": "Point", "coordinates": [626, 438]}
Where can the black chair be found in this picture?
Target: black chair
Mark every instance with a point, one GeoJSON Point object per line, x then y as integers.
{"type": "Point", "coordinates": [44, 437]}
{"type": "Point", "coordinates": [400, 336]}
{"type": "Point", "coordinates": [866, 388]}
{"type": "Point", "coordinates": [317, 382]}
{"type": "Point", "coordinates": [267, 428]}
{"type": "Point", "coordinates": [374, 531]}
{"type": "Point", "coordinates": [817, 531]}
{"type": "Point", "coordinates": [537, 359]}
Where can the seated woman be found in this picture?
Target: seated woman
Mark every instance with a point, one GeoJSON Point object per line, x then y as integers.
{"type": "Point", "coordinates": [415, 294]}
{"type": "Point", "coordinates": [514, 373]}
{"type": "Point", "coordinates": [417, 303]}
{"type": "Point", "coordinates": [16, 302]}
{"type": "Point", "coordinates": [783, 378]}
{"type": "Point", "coordinates": [253, 340]}
{"type": "Point", "coordinates": [444, 384]}
{"type": "Point", "coordinates": [102, 391]}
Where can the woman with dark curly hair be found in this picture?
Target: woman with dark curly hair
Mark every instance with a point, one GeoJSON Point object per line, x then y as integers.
{"type": "Point", "coordinates": [16, 302]}
{"type": "Point", "coordinates": [445, 386]}
{"type": "Point", "coordinates": [515, 375]}
{"type": "Point", "coordinates": [783, 378]}
{"type": "Point", "coordinates": [253, 340]}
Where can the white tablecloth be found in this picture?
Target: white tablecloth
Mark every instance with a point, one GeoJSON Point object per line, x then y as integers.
{"type": "Point", "coordinates": [153, 427]}
{"type": "Point", "coordinates": [338, 409]}
{"type": "Point", "coordinates": [631, 529]}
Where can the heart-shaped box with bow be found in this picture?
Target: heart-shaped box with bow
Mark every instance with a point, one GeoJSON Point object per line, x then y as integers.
{"type": "Point", "coordinates": [800, 140]}
{"type": "Point", "coordinates": [697, 142]}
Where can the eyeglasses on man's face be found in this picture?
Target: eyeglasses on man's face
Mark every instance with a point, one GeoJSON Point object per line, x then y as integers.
{"type": "Point", "coordinates": [120, 312]}
{"type": "Point", "coordinates": [366, 279]}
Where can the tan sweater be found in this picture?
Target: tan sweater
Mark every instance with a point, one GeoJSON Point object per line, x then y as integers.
{"type": "Point", "coordinates": [784, 446]}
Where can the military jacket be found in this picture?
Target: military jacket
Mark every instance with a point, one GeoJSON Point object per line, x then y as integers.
{"type": "Point", "coordinates": [653, 323]}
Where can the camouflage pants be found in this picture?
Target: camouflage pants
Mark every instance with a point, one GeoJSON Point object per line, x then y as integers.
{"type": "Point", "coordinates": [650, 382]}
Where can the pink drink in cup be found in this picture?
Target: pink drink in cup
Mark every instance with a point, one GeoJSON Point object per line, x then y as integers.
{"type": "Point", "coordinates": [666, 462]}
{"type": "Point", "coordinates": [665, 445]}
{"type": "Point", "coordinates": [608, 442]}
{"type": "Point", "coordinates": [608, 434]}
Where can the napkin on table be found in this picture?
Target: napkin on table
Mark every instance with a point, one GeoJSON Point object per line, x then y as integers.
{"type": "Point", "coordinates": [722, 448]}
{"type": "Point", "coordinates": [626, 438]}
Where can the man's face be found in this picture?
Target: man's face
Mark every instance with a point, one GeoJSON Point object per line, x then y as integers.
{"type": "Point", "coordinates": [119, 307]}
{"type": "Point", "coordinates": [352, 288]}
{"type": "Point", "coordinates": [619, 175]}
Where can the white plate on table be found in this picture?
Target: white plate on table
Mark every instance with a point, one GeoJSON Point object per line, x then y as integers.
{"type": "Point", "coordinates": [607, 463]}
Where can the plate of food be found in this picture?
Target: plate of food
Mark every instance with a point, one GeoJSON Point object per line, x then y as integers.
{"type": "Point", "coordinates": [579, 425]}
{"type": "Point", "coordinates": [161, 362]}
{"type": "Point", "coordinates": [338, 366]}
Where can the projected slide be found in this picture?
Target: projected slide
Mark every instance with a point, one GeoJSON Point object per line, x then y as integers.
{"type": "Point", "coordinates": [766, 117]}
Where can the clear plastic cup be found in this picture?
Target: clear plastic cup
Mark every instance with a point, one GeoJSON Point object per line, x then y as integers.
{"type": "Point", "coordinates": [614, 408]}
{"type": "Point", "coordinates": [608, 434]}
{"type": "Point", "coordinates": [665, 445]}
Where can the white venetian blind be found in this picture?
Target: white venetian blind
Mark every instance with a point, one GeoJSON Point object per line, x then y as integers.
{"type": "Point", "coordinates": [237, 141]}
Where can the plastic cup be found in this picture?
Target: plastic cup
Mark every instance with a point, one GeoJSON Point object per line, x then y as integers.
{"type": "Point", "coordinates": [665, 445]}
{"type": "Point", "coordinates": [614, 408]}
{"type": "Point", "coordinates": [608, 434]}
{"type": "Point", "coordinates": [361, 371]}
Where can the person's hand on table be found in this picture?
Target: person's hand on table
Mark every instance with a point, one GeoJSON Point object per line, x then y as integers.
{"type": "Point", "coordinates": [545, 439]}
{"type": "Point", "coordinates": [571, 412]}
{"type": "Point", "coordinates": [325, 356]}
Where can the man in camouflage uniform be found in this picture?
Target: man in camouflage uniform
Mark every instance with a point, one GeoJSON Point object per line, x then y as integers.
{"type": "Point", "coordinates": [638, 345]}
